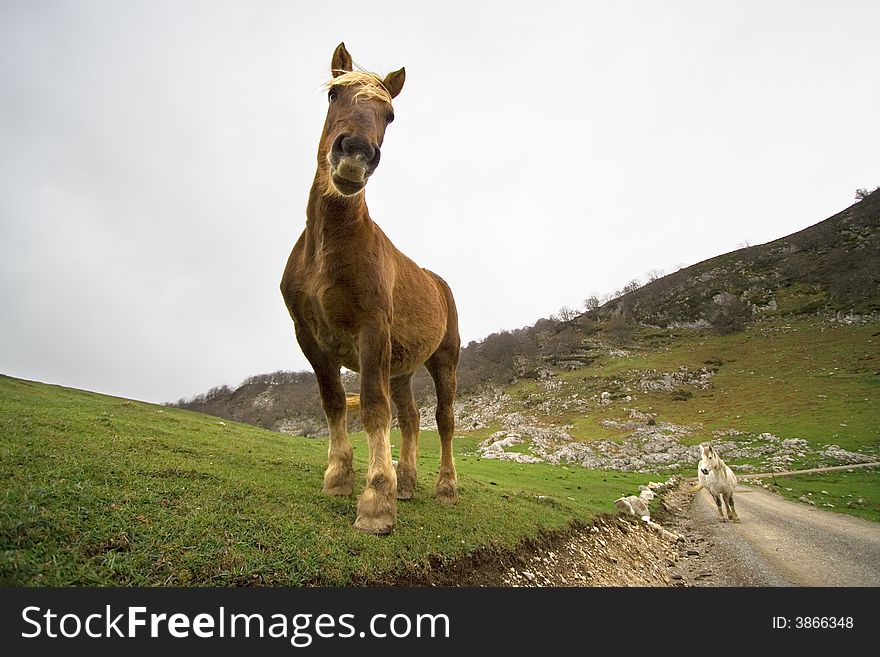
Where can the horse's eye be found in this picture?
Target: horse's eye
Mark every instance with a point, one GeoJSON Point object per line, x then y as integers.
{"type": "Point", "coordinates": [389, 118]}
{"type": "Point", "coordinates": [332, 95]}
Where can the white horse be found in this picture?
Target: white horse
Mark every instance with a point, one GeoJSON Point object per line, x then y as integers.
{"type": "Point", "coordinates": [717, 478]}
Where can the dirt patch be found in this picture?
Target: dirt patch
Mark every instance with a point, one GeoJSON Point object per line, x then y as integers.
{"type": "Point", "coordinates": [611, 551]}
{"type": "Point", "coordinates": [697, 562]}
{"type": "Point", "coordinates": [484, 567]}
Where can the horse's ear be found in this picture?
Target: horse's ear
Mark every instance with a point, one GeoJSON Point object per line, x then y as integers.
{"type": "Point", "coordinates": [393, 82]}
{"type": "Point", "coordinates": [341, 62]}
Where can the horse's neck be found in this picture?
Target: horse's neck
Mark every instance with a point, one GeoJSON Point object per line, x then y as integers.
{"type": "Point", "coordinates": [335, 222]}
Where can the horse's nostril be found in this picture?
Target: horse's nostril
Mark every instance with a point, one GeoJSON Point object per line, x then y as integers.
{"type": "Point", "coordinates": [353, 146]}
{"type": "Point", "coordinates": [336, 148]}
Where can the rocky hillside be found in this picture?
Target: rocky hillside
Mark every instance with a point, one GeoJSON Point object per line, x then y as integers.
{"type": "Point", "coordinates": [281, 401]}
{"type": "Point", "coordinates": [833, 266]}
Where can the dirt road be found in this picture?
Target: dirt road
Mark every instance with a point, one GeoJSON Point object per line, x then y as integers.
{"type": "Point", "coordinates": [778, 543]}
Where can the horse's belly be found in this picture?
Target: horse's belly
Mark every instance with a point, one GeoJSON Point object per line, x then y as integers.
{"type": "Point", "coordinates": [406, 357]}
{"type": "Point", "coordinates": [419, 324]}
{"type": "Point", "coordinates": [410, 349]}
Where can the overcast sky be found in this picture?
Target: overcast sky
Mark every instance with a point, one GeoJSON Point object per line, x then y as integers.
{"type": "Point", "coordinates": [156, 157]}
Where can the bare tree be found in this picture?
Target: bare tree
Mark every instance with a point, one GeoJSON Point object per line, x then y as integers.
{"type": "Point", "coordinates": [591, 303]}
{"type": "Point", "coordinates": [632, 286]}
{"type": "Point", "coordinates": [566, 314]}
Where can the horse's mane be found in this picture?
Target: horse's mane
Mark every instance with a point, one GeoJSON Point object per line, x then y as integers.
{"type": "Point", "coordinates": [369, 84]}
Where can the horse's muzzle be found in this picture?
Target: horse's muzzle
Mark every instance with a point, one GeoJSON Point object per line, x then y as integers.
{"type": "Point", "coordinates": [704, 471]}
{"type": "Point", "coordinates": [346, 187]}
{"type": "Point", "coordinates": [349, 176]}
{"type": "Point", "coordinates": [352, 161]}
{"type": "Point", "coordinates": [352, 169]}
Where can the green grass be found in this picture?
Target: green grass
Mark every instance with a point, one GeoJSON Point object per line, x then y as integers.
{"type": "Point", "coordinates": [796, 379]}
{"type": "Point", "coordinates": [589, 427]}
{"type": "Point", "coordinates": [804, 381]}
{"type": "Point", "coordinates": [856, 493]}
{"type": "Point", "coordinates": [800, 298]}
{"type": "Point", "coordinates": [103, 491]}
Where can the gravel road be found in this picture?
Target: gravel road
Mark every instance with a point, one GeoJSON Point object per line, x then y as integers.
{"type": "Point", "coordinates": [778, 543]}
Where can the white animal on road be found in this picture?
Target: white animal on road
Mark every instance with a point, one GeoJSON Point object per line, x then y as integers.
{"type": "Point", "coordinates": [717, 478]}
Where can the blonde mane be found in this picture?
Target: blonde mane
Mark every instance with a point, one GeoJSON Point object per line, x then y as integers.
{"type": "Point", "coordinates": [369, 85]}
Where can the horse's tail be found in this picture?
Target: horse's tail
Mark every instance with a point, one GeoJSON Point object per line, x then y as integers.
{"type": "Point", "coordinates": [696, 488]}
{"type": "Point", "coordinates": [353, 402]}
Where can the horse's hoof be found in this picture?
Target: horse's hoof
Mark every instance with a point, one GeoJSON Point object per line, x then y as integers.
{"type": "Point", "coordinates": [338, 491]}
{"type": "Point", "coordinates": [378, 526]}
{"type": "Point", "coordinates": [406, 484]}
{"type": "Point", "coordinates": [446, 493]}
{"type": "Point", "coordinates": [376, 512]}
{"type": "Point", "coordinates": [338, 482]}
{"type": "Point", "coordinates": [736, 520]}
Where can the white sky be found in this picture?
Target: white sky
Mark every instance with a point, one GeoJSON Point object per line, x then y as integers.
{"type": "Point", "coordinates": [155, 160]}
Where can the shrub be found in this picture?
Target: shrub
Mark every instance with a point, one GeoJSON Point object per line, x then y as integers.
{"type": "Point", "coordinates": [728, 313]}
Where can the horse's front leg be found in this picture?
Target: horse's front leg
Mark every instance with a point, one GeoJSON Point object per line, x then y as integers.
{"type": "Point", "coordinates": [377, 507]}
{"type": "Point", "coordinates": [339, 476]}
{"type": "Point", "coordinates": [720, 508]}
{"type": "Point", "coordinates": [731, 509]}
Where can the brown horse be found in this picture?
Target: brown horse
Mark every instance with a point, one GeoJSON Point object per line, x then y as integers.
{"type": "Point", "coordinates": [357, 301]}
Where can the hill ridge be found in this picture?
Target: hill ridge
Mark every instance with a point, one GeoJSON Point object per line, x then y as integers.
{"type": "Point", "coordinates": [829, 269]}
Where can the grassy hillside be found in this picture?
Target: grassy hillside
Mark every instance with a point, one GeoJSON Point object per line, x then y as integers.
{"type": "Point", "coordinates": [98, 490]}
{"type": "Point", "coordinates": [798, 379]}
{"type": "Point", "coordinates": [810, 382]}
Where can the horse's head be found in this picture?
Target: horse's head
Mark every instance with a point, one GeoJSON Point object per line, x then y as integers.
{"type": "Point", "coordinates": [359, 111]}
{"type": "Point", "coordinates": [708, 458]}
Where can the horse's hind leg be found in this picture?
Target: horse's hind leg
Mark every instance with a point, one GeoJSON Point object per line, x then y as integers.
{"type": "Point", "coordinates": [441, 367]}
{"type": "Point", "coordinates": [731, 509]}
{"type": "Point", "coordinates": [720, 509]}
{"type": "Point", "coordinates": [408, 420]}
